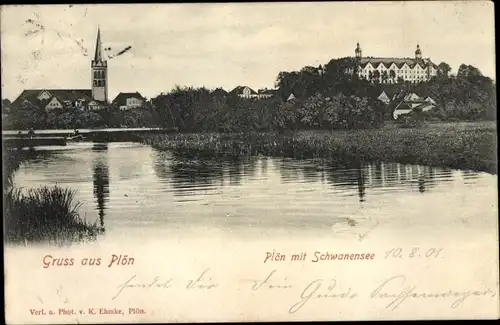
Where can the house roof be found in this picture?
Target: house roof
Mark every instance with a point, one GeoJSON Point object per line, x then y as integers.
{"type": "Point", "coordinates": [239, 90]}
{"type": "Point", "coordinates": [403, 105]}
{"type": "Point", "coordinates": [399, 62]}
{"type": "Point", "coordinates": [121, 98]}
{"type": "Point", "coordinates": [61, 94]}
{"type": "Point", "coordinates": [392, 89]}
{"type": "Point", "coordinates": [384, 93]}
{"type": "Point", "coordinates": [219, 91]}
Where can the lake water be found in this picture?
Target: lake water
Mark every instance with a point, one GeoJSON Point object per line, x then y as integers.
{"type": "Point", "coordinates": [178, 218]}
{"type": "Point", "coordinates": [136, 191]}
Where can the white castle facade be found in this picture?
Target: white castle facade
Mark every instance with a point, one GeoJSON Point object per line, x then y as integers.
{"type": "Point", "coordinates": [394, 70]}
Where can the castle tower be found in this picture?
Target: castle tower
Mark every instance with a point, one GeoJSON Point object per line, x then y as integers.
{"type": "Point", "coordinates": [99, 72]}
{"type": "Point", "coordinates": [418, 53]}
{"type": "Point", "coordinates": [358, 52]}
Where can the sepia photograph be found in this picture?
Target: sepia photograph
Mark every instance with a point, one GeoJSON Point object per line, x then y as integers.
{"type": "Point", "coordinates": [249, 162]}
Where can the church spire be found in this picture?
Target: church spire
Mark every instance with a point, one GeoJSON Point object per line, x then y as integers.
{"type": "Point", "coordinates": [99, 68]}
{"type": "Point", "coordinates": [98, 47]}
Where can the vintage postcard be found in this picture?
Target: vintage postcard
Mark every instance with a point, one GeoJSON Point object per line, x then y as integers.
{"type": "Point", "coordinates": [222, 162]}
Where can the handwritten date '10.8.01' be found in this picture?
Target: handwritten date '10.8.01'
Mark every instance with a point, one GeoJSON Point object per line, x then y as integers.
{"type": "Point", "coordinates": [415, 252]}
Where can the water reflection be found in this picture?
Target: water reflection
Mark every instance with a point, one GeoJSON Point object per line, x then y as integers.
{"type": "Point", "coordinates": [188, 175]}
{"type": "Point", "coordinates": [421, 184]}
{"type": "Point", "coordinates": [100, 179]}
{"type": "Point", "coordinates": [361, 184]}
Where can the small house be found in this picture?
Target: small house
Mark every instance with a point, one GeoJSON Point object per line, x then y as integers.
{"type": "Point", "coordinates": [244, 92]}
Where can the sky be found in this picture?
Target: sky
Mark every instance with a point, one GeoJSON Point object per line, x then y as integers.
{"type": "Point", "coordinates": [229, 44]}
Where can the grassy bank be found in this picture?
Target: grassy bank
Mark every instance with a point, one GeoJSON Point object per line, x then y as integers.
{"type": "Point", "coordinates": [471, 148]}
{"type": "Point", "coordinates": [46, 214]}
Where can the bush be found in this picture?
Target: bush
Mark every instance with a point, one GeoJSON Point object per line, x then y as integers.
{"type": "Point", "coordinates": [410, 121]}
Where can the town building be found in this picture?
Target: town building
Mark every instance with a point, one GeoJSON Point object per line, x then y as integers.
{"type": "Point", "coordinates": [394, 70]}
{"type": "Point", "coordinates": [410, 102]}
{"type": "Point", "coordinates": [244, 92]}
{"type": "Point", "coordinates": [126, 101]}
{"type": "Point", "coordinates": [53, 99]}
{"type": "Point", "coordinates": [247, 92]}
{"type": "Point", "coordinates": [86, 99]}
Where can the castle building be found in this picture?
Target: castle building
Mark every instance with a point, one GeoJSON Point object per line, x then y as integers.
{"type": "Point", "coordinates": [92, 99]}
{"type": "Point", "coordinates": [394, 70]}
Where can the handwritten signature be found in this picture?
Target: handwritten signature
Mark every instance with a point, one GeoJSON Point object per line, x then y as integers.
{"type": "Point", "coordinates": [393, 291]}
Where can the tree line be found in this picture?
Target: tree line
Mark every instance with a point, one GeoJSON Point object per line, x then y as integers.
{"type": "Point", "coordinates": [325, 97]}
{"type": "Point", "coordinates": [34, 116]}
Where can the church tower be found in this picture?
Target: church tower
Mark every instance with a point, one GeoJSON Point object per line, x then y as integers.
{"type": "Point", "coordinates": [99, 73]}
{"type": "Point", "coordinates": [358, 52]}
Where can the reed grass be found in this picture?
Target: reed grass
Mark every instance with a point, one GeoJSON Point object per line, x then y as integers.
{"type": "Point", "coordinates": [454, 147]}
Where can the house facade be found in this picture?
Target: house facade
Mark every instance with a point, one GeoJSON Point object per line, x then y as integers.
{"type": "Point", "coordinates": [94, 98]}
{"type": "Point", "coordinates": [394, 70]}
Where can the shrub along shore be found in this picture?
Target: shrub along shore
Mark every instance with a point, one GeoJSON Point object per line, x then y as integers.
{"type": "Point", "coordinates": [45, 214]}
{"type": "Point", "coordinates": [468, 148]}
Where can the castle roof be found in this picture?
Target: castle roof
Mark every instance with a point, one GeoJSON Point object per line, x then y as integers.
{"type": "Point", "coordinates": [399, 62]}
